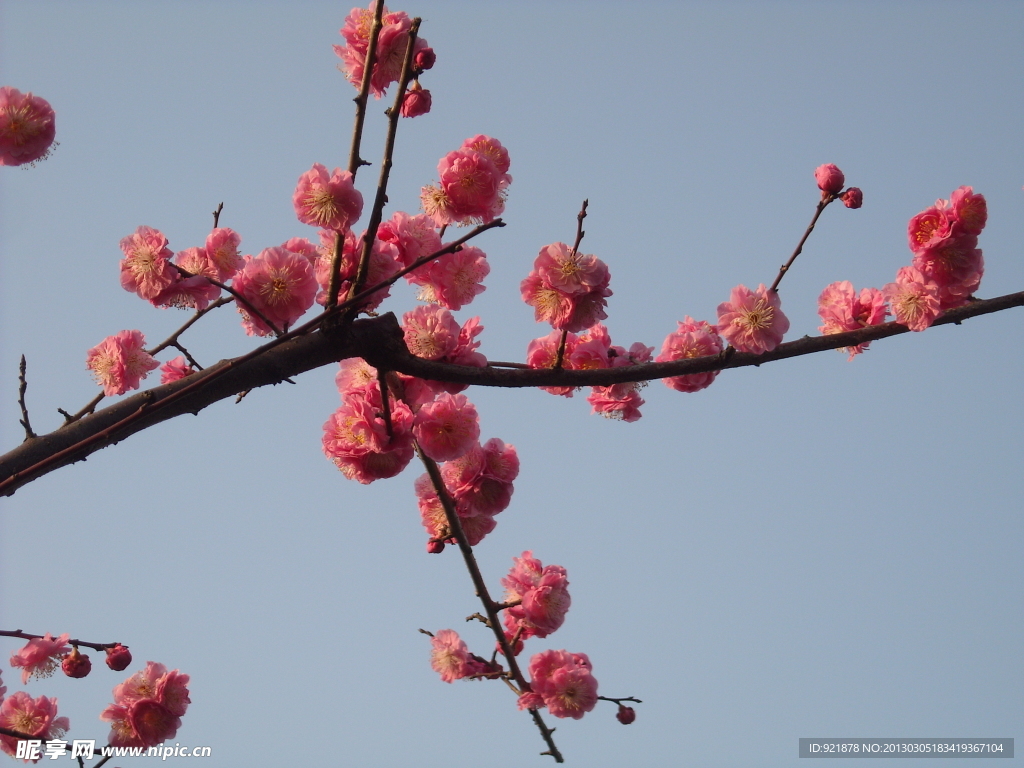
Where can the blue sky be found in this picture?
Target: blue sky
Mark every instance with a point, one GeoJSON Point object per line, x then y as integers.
{"type": "Point", "coordinates": [809, 548]}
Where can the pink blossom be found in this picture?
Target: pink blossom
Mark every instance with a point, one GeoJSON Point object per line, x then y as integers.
{"type": "Point", "coordinates": [40, 656]}
{"type": "Point", "coordinates": [566, 312]}
{"type": "Point", "coordinates": [544, 595]}
{"type": "Point", "coordinates": [691, 339]}
{"type": "Point", "coordinates": [330, 202]}
{"type": "Point", "coordinates": [223, 254]}
{"type": "Point", "coordinates": [391, 46]}
{"type": "Point", "coordinates": [424, 59]}
{"type": "Point", "coordinates": [278, 283]}
{"type": "Point", "coordinates": [969, 210]}
{"type": "Point", "coordinates": [570, 273]}
{"type": "Point", "coordinates": [416, 101]}
{"type": "Point", "coordinates": [752, 321]}
{"type": "Point", "coordinates": [413, 236]}
{"type": "Point", "coordinates": [190, 292]}
{"type": "Point", "coordinates": [842, 309]}
{"type": "Point", "coordinates": [852, 198]}
{"type": "Point", "coordinates": [480, 481]}
{"type": "Point", "coordinates": [530, 700]}
{"type": "Point", "coordinates": [447, 428]}
{"type": "Point", "coordinates": [356, 437]}
{"type": "Point", "coordinates": [625, 715]}
{"type": "Point", "coordinates": [830, 179]}
{"type": "Point", "coordinates": [175, 369]}
{"type": "Point", "coordinates": [354, 374]}
{"type": "Point", "coordinates": [147, 707]}
{"type": "Point", "coordinates": [565, 682]}
{"type": "Point", "coordinates": [27, 127]}
{"type": "Point", "coordinates": [543, 353]}
{"type": "Point", "coordinates": [146, 268]}
{"type": "Point", "coordinates": [914, 299]}
{"type": "Point", "coordinates": [32, 717]}
{"type": "Point", "coordinates": [931, 227]}
{"type": "Point", "coordinates": [955, 266]}
{"type": "Point", "coordinates": [430, 332]}
{"type": "Point", "coordinates": [453, 280]}
{"type": "Point", "coordinates": [472, 184]}
{"type": "Point", "coordinates": [435, 520]}
{"type": "Point", "coordinates": [119, 362]}
{"type": "Point", "coordinates": [450, 657]}
{"type": "Point", "coordinates": [383, 264]}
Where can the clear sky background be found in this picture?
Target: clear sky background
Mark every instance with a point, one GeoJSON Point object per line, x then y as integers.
{"type": "Point", "coordinates": [809, 548]}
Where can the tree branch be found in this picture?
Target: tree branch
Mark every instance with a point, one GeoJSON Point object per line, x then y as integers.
{"type": "Point", "coordinates": [381, 343]}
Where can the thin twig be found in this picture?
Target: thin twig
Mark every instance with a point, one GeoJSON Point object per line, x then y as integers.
{"type": "Point", "coordinates": [579, 228]}
{"type": "Point", "coordinates": [86, 410]}
{"type": "Point", "coordinates": [560, 357]}
{"type": "Point", "coordinates": [216, 215]}
{"type": "Point", "coordinates": [27, 636]}
{"type": "Point", "coordinates": [239, 298]}
{"type": "Point", "coordinates": [826, 198]}
{"type": "Point", "coordinates": [490, 607]}
{"type": "Point", "coordinates": [381, 197]}
{"type": "Point", "coordinates": [354, 161]}
{"type": "Point", "coordinates": [172, 340]}
{"type": "Point", "coordinates": [22, 388]}
{"type": "Point", "coordinates": [382, 382]}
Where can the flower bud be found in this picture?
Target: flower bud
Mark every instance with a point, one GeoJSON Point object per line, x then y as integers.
{"type": "Point", "coordinates": [830, 179]}
{"type": "Point", "coordinates": [118, 657]}
{"type": "Point", "coordinates": [435, 547]}
{"type": "Point", "coordinates": [626, 715]}
{"type": "Point", "coordinates": [76, 664]}
{"type": "Point", "coordinates": [424, 58]}
{"type": "Point", "coordinates": [416, 101]}
{"type": "Point", "coordinates": [852, 198]}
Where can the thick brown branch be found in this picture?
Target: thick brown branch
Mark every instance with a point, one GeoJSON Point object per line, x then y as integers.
{"type": "Point", "coordinates": [381, 343]}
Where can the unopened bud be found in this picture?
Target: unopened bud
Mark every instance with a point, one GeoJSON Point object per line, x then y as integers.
{"type": "Point", "coordinates": [830, 179]}
{"type": "Point", "coordinates": [852, 198]}
{"type": "Point", "coordinates": [435, 547]}
{"type": "Point", "coordinates": [76, 664]}
{"type": "Point", "coordinates": [424, 58]}
{"type": "Point", "coordinates": [626, 715]}
{"type": "Point", "coordinates": [416, 101]}
{"type": "Point", "coordinates": [118, 657]}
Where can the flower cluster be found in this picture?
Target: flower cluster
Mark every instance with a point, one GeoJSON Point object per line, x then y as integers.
{"type": "Point", "coordinates": [563, 682]}
{"type": "Point", "coordinates": [473, 180]}
{"type": "Point", "coordinates": [392, 43]}
{"type": "Point", "coordinates": [148, 707]}
{"type": "Point", "coordinates": [752, 321]}
{"type": "Point", "coordinates": [566, 288]}
{"type": "Point", "coordinates": [543, 597]}
{"type": "Point", "coordinates": [27, 127]}
{"type": "Point", "coordinates": [691, 339]}
{"type": "Point", "coordinates": [947, 266]}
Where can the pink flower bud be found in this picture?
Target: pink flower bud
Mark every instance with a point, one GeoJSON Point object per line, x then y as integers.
{"type": "Point", "coordinates": [853, 198]}
{"type": "Point", "coordinates": [626, 715]}
{"type": "Point", "coordinates": [118, 657]}
{"type": "Point", "coordinates": [435, 547]}
{"type": "Point", "coordinates": [830, 179]}
{"type": "Point", "coordinates": [416, 102]}
{"type": "Point", "coordinates": [424, 58]}
{"type": "Point", "coordinates": [76, 664]}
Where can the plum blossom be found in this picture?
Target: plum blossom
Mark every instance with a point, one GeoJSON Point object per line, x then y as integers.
{"type": "Point", "coordinates": [76, 664]}
{"type": "Point", "coordinates": [565, 682]}
{"type": "Point", "coordinates": [391, 46]}
{"type": "Point", "coordinates": [430, 332]}
{"type": "Point", "coordinates": [40, 656]}
{"type": "Point", "coordinates": [118, 657]}
{"type": "Point", "coordinates": [543, 595]}
{"type": "Point", "coordinates": [568, 290]}
{"type": "Point", "coordinates": [413, 236]}
{"type": "Point", "coordinates": [278, 283]}
{"type": "Point", "coordinates": [175, 369]}
{"type": "Point", "coordinates": [33, 717]}
{"type": "Point", "coordinates": [327, 201]}
{"type": "Point", "coordinates": [356, 437]}
{"type": "Point", "coordinates": [194, 292]}
{"type": "Point", "coordinates": [691, 339]}
{"type": "Point", "coordinates": [447, 427]}
{"type": "Point", "coordinates": [617, 401]}
{"type": "Point", "coordinates": [27, 127]}
{"type": "Point", "coordinates": [449, 656]}
{"type": "Point", "coordinates": [473, 180]}
{"type": "Point", "coordinates": [148, 707]}
{"type": "Point", "coordinates": [453, 280]}
{"type": "Point", "coordinates": [752, 321]}
{"type": "Point", "coordinates": [223, 254]}
{"type": "Point", "coordinates": [543, 353]}
{"type": "Point", "coordinates": [914, 299]}
{"type": "Point", "coordinates": [852, 198]}
{"type": "Point", "coordinates": [842, 309]}
{"type": "Point", "coordinates": [625, 715]}
{"type": "Point", "coordinates": [146, 268]}
{"type": "Point", "coordinates": [120, 362]}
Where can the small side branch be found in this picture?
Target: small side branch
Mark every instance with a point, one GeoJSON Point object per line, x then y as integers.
{"type": "Point", "coordinates": [354, 161]}
{"type": "Point", "coordinates": [216, 215]}
{"type": "Point", "coordinates": [826, 198]}
{"type": "Point", "coordinates": [22, 387]}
